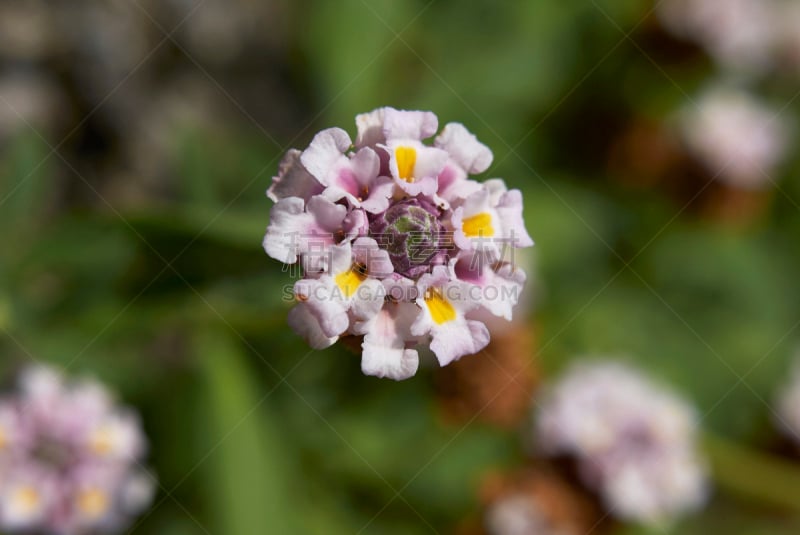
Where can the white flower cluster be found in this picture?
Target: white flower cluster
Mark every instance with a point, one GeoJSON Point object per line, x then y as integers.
{"type": "Point", "coordinates": [743, 36]}
{"type": "Point", "coordinates": [634, 443]}
{"type": "Point", "coordinates": [397, 244]}
{"type": "Point", "coordinates": [736, 137]}
{"type": "Point", "coordinates": [69, 458]}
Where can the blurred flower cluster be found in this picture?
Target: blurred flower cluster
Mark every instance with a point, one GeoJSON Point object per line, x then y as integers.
{"type": "Point", "coordinates": [396, 243]}
{"type": "Point", "coordinates": [750, 37]}
{"type": "Point", "coordinates": [735, 136]}
{"type": "Point", "coordinates": [69, 458]}
{"type": "Point", "coordinates": [633, 442]}
{"type": "Point", "coordinates": [730, 128]}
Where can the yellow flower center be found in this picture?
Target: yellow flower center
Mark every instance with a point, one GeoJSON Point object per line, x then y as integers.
{"type": "Point", "coordinates": [26, 500]}
{"type": "Point", "coordinates": [406, 160]}
{"type": "Point", "coordinates": [349, 281]}
{"type": "Point", "coordinates": [3, 439]}
{"type": "Point", "coordinates": [478, 225]}
{"type": "Point", "coordinates": [440, 308]}
{"type": "Point", "coordinates": [101, 442]}
{"type": "Point", "coordinates": [93, 502]}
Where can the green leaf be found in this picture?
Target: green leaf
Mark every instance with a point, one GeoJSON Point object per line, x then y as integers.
{"type": "Point", "coordinates": [241, 229]}
{"type": "Point", "coordinates": [248, 477]}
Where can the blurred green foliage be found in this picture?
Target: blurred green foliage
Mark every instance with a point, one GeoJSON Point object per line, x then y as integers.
{"type": "Point", "coordinates": [175, 305]}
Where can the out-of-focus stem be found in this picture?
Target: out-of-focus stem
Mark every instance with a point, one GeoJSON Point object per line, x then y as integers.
{"type": "Point", "coordinates": [752, 474]}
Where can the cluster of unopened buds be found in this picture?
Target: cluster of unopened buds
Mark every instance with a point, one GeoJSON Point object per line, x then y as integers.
{"type": "Point", "coordinates": [395, 243]}
{"type": "Point", "coordinates": [69, 458]}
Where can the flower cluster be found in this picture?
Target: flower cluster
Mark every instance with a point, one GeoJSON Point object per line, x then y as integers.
{"type": "Point", "coordinates": [747, 37]}
{"type": "Point", "coordinates": [396, 243]}
{"type": "Point", "coordinates": [634, 443]}
{"type": "Point", "coordinates": [736, 33]}
{"type": "Point", "coordinates": [736, 137]}
{"type": "Point", "coordinates": [68, 458]}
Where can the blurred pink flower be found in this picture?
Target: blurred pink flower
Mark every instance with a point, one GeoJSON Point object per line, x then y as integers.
{"type": "Point", "coordinates": [738, 34]}
{"type": "Point", "coordinates": [738, 139]}
{"type": "Point", "coordinates": [69, 458]}
{"type": "Point", "coordinates": [633, 442]}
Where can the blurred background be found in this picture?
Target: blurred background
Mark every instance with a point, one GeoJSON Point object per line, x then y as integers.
{"type": "Point", "coordinates": [654, 148]}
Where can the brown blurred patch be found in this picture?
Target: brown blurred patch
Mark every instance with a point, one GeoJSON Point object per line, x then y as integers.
{"type": "Point", "coordinates": [562, 506]}
{"type": "Point", "coordinates": [665, 48]}
{"type": "Point", "coordinates": [737, 206]}
{"type": "Point", "coordinates": [352, 343]}
{"type": "Point", "coordinates": [646, 155]}
{"type": "Point", "coordinates": [496, 384]}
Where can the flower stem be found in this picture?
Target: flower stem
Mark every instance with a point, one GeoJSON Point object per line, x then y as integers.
{"type": "Point", "coordinates": [753, 475]}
